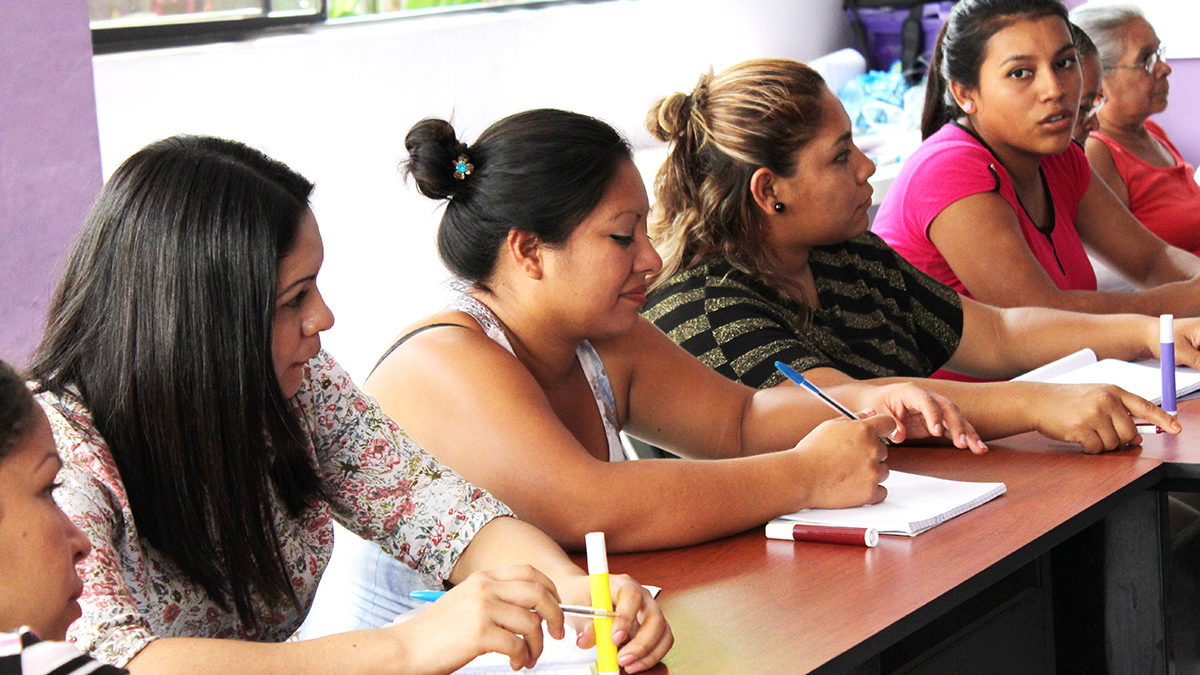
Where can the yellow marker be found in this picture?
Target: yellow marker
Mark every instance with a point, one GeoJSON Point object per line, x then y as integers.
{"type": "Point", "coordinates": [597, 557]}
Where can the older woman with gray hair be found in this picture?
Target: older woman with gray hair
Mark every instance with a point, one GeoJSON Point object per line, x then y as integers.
{"type": "Point", "coordinates": [1130, 152]}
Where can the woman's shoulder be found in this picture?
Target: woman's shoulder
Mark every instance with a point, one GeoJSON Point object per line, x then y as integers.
{"type": "Point", "coordinates": [1155, 130]}
{"type": "Point", "coordinates": [78, 440]}
{"type": "Point", "coordinates": [951, 145]}
{"type": "Point", "coordinates": [23, 653]}
{"type": "Point", "coordinates": [949, 165]}
{"type": "Point", "coordinates": [712, 271]}
{"type": "Point", "coordinates": [697, 283]}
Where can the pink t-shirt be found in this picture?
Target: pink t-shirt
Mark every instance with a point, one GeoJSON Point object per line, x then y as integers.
{"type": "Point", "coordinates": [953, 164]}
{"type": "Point", "coordinates": [1166, 199]}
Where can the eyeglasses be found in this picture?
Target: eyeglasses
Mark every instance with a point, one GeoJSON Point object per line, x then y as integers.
{"type": "Point", "coordinates": [1150, 61]}
{"type": "Point", "coordinates": [1087, 112]}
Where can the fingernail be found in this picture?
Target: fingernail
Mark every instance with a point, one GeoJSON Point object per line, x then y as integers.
{"type": "Point", "coordinates": [625, 659]}
{"type": "Point", "coordinates": [963, 442]}
{"type": "Point", "coordinates": [895, 434]}
{"type": "Point", "coordinates": [618, 637]}
{"type": "Point", "coordinates": [937, 428]}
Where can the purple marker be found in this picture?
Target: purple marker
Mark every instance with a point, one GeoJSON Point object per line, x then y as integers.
{"type": "Point", "coordinates": [1166, 355]}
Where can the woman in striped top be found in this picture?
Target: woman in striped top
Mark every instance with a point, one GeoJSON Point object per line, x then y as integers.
{"type": "Point", "coordinates": [761, 219]}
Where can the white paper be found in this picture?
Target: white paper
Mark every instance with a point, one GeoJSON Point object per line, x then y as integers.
{"type": "Point", "coordinates": [914, 504]}
{"type": "Point", "coordinates": [1142, 377]}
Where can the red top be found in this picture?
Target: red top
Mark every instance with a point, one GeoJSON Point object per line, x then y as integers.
{"type": "Point", "coordinates": [1165, 198]}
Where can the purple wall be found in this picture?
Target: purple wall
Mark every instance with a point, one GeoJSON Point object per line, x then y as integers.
{"type": "Point", "coordinates": [49, 157]}
{"type": "Point", "coordinates": [1179, 119]}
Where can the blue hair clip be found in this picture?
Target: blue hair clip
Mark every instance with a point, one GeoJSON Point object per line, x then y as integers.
{"type": "Point", "coordinates": [462, 167]}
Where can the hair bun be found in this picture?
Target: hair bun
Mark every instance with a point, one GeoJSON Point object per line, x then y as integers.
{"type": "Point", "coordinates": [433, 158]}
{"type": "Point", "coordinates": [668, 119]}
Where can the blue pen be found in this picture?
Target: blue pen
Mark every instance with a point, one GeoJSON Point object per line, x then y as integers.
{"type": "Point", "coordinates": [795, 376]}
{"type": "Point", "coordinates": [573, 610]}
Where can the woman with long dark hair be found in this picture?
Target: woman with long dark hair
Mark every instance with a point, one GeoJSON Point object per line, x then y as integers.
{"type": "Point", "coordinates": [209, 443]}
{"type": "Point", "coordinates": [997, 202]}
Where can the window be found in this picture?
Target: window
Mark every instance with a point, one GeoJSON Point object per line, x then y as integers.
{"type": "Point", "coordinates": [133, 24]}
{"type": "Point", "coordinates": [125, 24]}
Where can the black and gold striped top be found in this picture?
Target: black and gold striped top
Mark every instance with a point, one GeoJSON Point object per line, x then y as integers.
{"type": "Point", "coordinates": [879, 317]}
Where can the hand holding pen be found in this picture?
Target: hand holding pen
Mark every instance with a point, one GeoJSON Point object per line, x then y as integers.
{"type": "Point", "coordinates": [638, 626]}
{"type": "Point", "coordinates": [921, 413]}
{"type": "Point", "coordinates": [499, 610]}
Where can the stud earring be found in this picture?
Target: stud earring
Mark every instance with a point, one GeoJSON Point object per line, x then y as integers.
{"type": "Point", "coordinates": [968, 107]}
{"type": "Point", "coordinates": [779, 207]}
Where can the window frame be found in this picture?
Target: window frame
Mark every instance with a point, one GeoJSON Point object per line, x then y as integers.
{"type": "Point", "coordinates": [178, 33]}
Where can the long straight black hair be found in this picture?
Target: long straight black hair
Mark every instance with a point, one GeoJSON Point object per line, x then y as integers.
{"type": "Point", "coordinates": [162, 324]}
{"type": "Point", "coordinates": [961, 46]}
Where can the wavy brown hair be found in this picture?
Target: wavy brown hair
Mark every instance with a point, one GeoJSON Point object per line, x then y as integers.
{"type": "Point", "coordinates": [758, 113]}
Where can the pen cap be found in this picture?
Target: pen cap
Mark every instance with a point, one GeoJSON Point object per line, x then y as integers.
{"type": "Point", "coordinates": [1166, 328]}
{"type": "Point", "coordinates": [597, 553]}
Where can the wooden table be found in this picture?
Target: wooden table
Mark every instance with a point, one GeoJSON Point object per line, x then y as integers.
{"type": "Point", "coordinates": [1179, 453]}
{"type": "Point", "coordinates": [748, 604]}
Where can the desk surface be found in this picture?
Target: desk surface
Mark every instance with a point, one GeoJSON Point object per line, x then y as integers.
{"type": "Point", "coordinates": [1179, 453]}
{"type": "Point", "coordinates": [787, 607]}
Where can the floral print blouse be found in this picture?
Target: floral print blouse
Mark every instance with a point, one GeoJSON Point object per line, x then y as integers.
{"type": "Point", "coordinates": [383, 487]}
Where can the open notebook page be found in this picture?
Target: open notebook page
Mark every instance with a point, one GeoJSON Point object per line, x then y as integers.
{"type": "Point", "coordinates": [1142, 378]}
{"type": "Point", "coordinates": [914, 504]}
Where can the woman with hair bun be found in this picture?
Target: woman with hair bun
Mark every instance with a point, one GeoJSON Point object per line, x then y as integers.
{"type": "Point", "coordinates": [525, 382]}
{"type": "Point", "coordinates": [545, 357]}
{"type": "Point", "coordinates": [761, 218]}
{"type": "Point", "coordinates": [997, 202]}
{"type": "Point", "coordinates": [209, 443]}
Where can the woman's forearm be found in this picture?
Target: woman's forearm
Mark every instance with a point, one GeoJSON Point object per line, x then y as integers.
{"type": "Point", "coordinates": [1002, 343]}
{"type": "Point", "coordinates": [366, 652]}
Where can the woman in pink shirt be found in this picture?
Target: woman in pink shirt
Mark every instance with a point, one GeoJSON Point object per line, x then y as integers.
{"type": "Point", "coordinates": [998, 203]}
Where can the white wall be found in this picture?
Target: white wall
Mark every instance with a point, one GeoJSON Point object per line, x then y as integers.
{"type": "Point", "coordinates": [336, 103]}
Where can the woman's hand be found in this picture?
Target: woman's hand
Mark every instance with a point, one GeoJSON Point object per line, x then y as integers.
{"type": "Point", "coordinates": [641, 631]}
{"type": "Point", "coordinates": [497, 610]}
{"type": "Point", "coordinates": [842, 462]}
{"type": "Point", "coordinates": [1187, 341]}
{"type": "Point", "coordinates": [1097, 416]}
{"type": "Point", "coordinates": [921, 413]}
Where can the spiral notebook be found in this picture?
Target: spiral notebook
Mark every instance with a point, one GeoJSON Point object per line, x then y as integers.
{"type": "Point", "coordinates": [914, 504]}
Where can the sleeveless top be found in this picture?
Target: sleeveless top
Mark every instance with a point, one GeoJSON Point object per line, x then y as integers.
{"type": "Point", "coordinates": [589, 360]}
{"type": "Point", "coordinates": [1166, 199]}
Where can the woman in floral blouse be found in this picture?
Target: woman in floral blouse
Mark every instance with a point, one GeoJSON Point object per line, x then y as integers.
{"type": "Point", "coordinates": [209, 443]}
